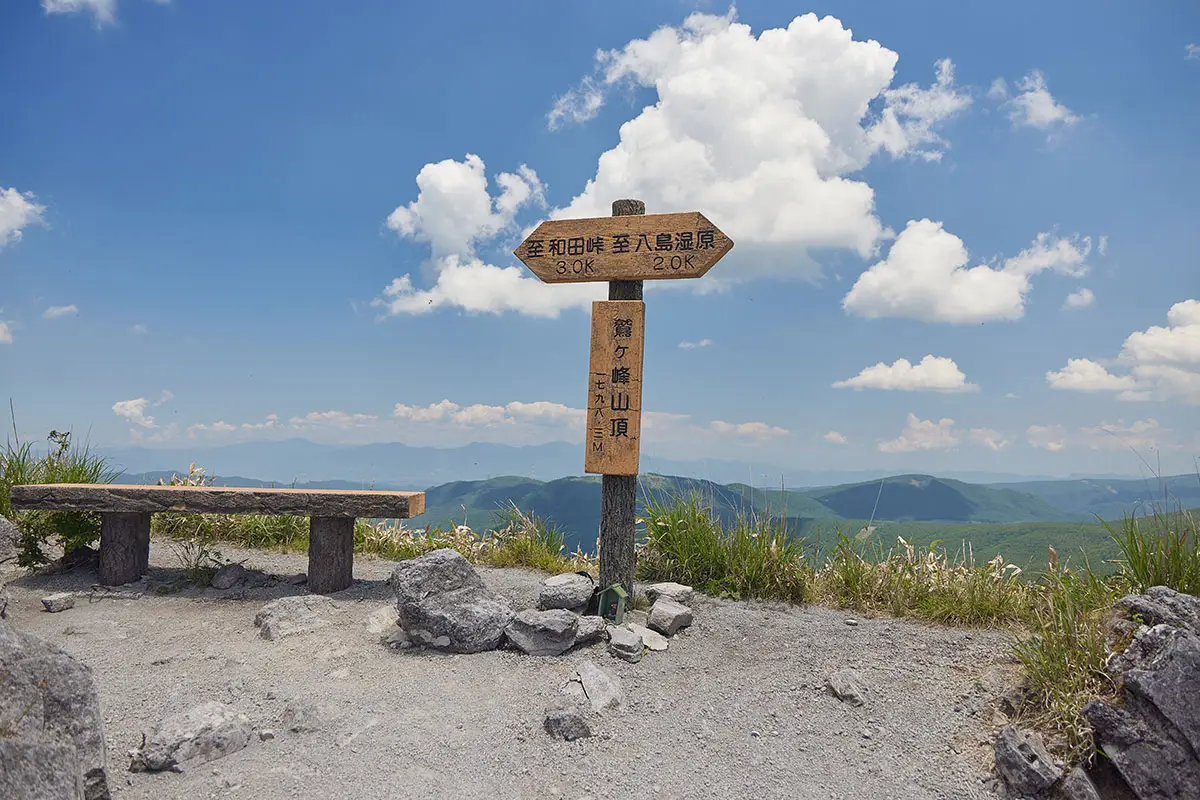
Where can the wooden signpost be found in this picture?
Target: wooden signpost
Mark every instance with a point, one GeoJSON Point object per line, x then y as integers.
{"type": "Point", "coordinates": [624, 249]}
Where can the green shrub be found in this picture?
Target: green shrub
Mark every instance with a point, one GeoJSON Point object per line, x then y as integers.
{"type": "Point", "coordinates": [63, 463]}
{"type": "Point", "coordinates": [1159, 549]}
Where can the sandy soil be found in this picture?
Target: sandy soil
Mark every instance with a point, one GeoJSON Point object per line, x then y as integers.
{"type": "Point", "coordinates": [735, 708]}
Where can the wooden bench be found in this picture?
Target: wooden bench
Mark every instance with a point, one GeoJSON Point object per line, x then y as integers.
{"type": "Point", "coordinates": [125, 519]}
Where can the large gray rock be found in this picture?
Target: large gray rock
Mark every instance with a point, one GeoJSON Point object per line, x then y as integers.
{"type": "Point", "coordinates": [676, 591]}
{"type": "Point", "coordinates": [37, 770]}
{"type": "Point", "coordinates": [652, 639]}
{"type": "Point", "coordinates": [624, 644]}
{"type": "Point", "coordinates": [543, 633]}
{"type": "Point", "coordinates": [202, 734]}
{"type": "Point", "coordinates": [847, 686]}
{"type": "Point", "coordinates": [569, 590]}
{"type": "Point", "coordinates": [1154, 764]}
{"type": "Point", "coordinates": [48, 698]}
{"type": "Point", "coordinates": [1163, 606]}
{"type": "Point", "coordinates": [1077, 786]}
{"type": "Point", "coordinates": [439, 595]}
{"type": "Point", "coordinates": [60, 601]}
{"type": "Point", "coordinates": [229, 576]}
{"type": "Point", "coordinates": [590, 629]}
{"type": "Point", "coordinates": [667, 616]}
{"type": "Point", "coordinates": [288, 616]}
{"type": "Point", "coordinates": [1023, 763]}
{"type": "Point", "coordinates": [9, 537]}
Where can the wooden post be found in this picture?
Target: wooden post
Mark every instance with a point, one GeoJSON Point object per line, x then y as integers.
{"type": "Point", "coordinates": [618, 493]}
{"type": "Point", "coordinates": [330, 554]}
{"type": "Point", "coordinates": [124, 547]}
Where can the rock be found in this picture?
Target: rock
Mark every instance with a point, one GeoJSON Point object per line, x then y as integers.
{"type": "Point", "coordinates": [297, 579]}
{"type": "Point", "coordinates": [201, 734]}
{"type": "Point", "coordinates": [1017, 697]}
{"type": "Point", "coordinates": [381, 620]}
{"type": "Point", "coordinates": [39, 770]}
{"type": "Point", "coordinates": [1166, 677]}
{"type": "Point", "coordinates": [651, 639]}
{"type": "Point", "coordinates": [1154, 764]}
{"type": "Point", "coordinates": [668, 616]}
{"type": "Point", "coordinates": [625, 644]}
{"type": "Point", "coordinates": [1077, 786]}
{"type": "Point", "coordinates": [305, 716]}
{"type": "Point", "coordinates": [48, 698]}
{"type": "Point", "coordinates": [5, 599]}
{"type": "Point", "coordinates": [637, 617]}
{"type": "Point", "coordinates": [600, 688]}
{"type": "Point", "coordinates": [846, 685]}
{"type": "Point", "coordinates": [1023, 763]}
{"type": "Point", "coordinates": [590, 629]}
{"type": "Point", "coordinates": [228, 576]}
{"type": "Point", "coordinates": [10, 535]}
{"type": "Point", "coordinates": [571, 590]}
{"type": "Point", "coordinates": [266, 735]}
{"type": "Point", "coordinates": [398, 640]}
{"type": "Point", "coordinates": [1163, 606]}
{"type": "Point", "coordinates": [439, 593]}
{"type": "Point", "coordinates": [675, 591]}
{"type": "Point", "coordinates": [566, 722]}
{"type": "Point", "coordinates": [288, 616]}
{"type": "Point", "coordinates": [58, 602]}
{"type": "Point", "coordinates": [543, 633]}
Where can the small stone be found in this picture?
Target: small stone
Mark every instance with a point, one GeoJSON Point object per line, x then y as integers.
{"type": "Point", "coordinates": [590, 629]}
{"type": "Point", "coordinates": [441, 642]}
{"type": "Point", "coordinates": [851, 621]}
{"type": "Point", "coordinates": [381, 620]}
{"type": "Point", "coordinates": [303, 716]}
{"type": "Point", "coordinates": [204, 733]}
{"type": "Point", "coordinates": [1022, 760]}
{"type": "Point", "coordinates": [566, 723]}
{"type": "Point", "coordinates": [292, 615]}
{"type": "Point", "coordinates": [847, 687]}
{"type": "Point", "coordinates": [651, 639]}
{"type": "Point", "coordinates": [266, 735]}
{"type": "Point", "coordinates": [59, 602]}
{"type": "Point", "coordinates": [228, 576]}
{"type": "Point", "coordinates": [600, 688]}
{"type": "Point", "coordinates": [625, 644]}
{"type": "Point", "coordinates": [398, 640]}
{"type": "Point", "coordinates": [667, 616]}
{"type": "Point", "coordinates": [675, 591]}
{"type": "Point", "coordinates": [543, 633]}
{"type": "Point", "coordinates": [570, 590]}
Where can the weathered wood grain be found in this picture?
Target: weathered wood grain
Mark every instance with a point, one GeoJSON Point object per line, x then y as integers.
{"type": "Point", "coordinates": [217, 500]}
{"type": "Point", "coordinates": [330, 554]}
{"type": "Point", "coordinates": [623, 248]}
{"type": "Point", "coordinates": [124, 547]}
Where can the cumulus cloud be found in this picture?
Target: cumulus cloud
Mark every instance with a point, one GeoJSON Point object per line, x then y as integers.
{"type": "Point", "coordinates": [1080, 299]}
{"type": "Point", "coordinates": [925, 276]}
{"type": "Point", "coordinates": [923, 434]}
{"type": "Point", "coordinates": [932, 374]}
{"type": "Point", "coordinates": [1032, 105]}
{"type": "Point", "coordinates": [332, 419]}
{"type": "Point", "coordinates": [1192, 52]}
{"type": "Point", "coordinates": [483, 415]}
{"type": "Point", "coordinates": [1046, 437]}
{"type": "Point", "coordinates": [6, 336]}
{"type": "Point", "coordinates": [751, 431]}
{"type": "Point", "coordinates": [103, 11]}
{"type": "Point", "coordinates": [1102, 245]}
{"type": "Point", "coordinates": [695, 345]}
{"type": "Point", "coordinates": [1162, 363]}
{"type": "Point", "coordinates": [54, 312]}
{"type": "Point", "coordinates": [135, 412]}
{"type": "Point", "coordinates": [766, 134]}
{"type": "Point", "coordinates": [1142, 434]}
{"type": "Point", "coordinates": [989, 438]}
{"type": "Point", "coordinates": [18, 210]}
{"type": "Point", "coordinates": [833, 437]}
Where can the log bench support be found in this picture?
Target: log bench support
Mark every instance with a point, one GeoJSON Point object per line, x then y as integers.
{"type": "Point", "coordinates": [330, 554]}
{"type": "Point", "coordinates": [125, 519]}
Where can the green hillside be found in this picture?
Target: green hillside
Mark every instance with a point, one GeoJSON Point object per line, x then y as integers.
{"type": "Point", "coordinates": [1110, 499]}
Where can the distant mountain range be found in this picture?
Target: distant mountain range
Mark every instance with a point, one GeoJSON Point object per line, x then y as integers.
{"type": "Point", "coordinates": [401, 465]}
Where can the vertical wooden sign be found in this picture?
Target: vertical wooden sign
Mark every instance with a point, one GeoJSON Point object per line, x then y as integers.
{"type": "Point", "coordinates": [614, 407]}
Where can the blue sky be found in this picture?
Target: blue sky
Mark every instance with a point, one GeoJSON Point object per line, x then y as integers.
{"type": "Point", "coordinates": [226, 221]}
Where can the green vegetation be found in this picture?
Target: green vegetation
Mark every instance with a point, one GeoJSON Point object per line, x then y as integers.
{"type": "Point", "coordinates": [63, 463]}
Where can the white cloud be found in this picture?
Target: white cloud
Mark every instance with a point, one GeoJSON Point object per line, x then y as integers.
{"type": "Point", "coordinates": [5, 333]}
{"type": "Point", "coordinates": [578, 105]}
{"type": "Point", "coordinates": [135, 412]}
{"type": "Point", "coordinates": [332, 419]}
{"type": "Point", "coordinates": [753, 431]}
{"type": "Point", "coordinates": [1163, 363]}
{"type": "Point", "coordinates": [923, 434]}
{"type": "Point", "coordinates": [54, 312]}
{"type": "Point", "coordinates": [989, 438]}
{"type": "Point", "coordinates": [138, 329]}
{"type": "Point", "coordinates": [1032, 105]}
{"type": "Point", "coordinates": [695, 345]}
{"type": "Point", "coordinates": [1046, 437]}
{"type": "Point", "coordinates": [1192, 52]}
{"type": "Point", "coordinates": [925, 277]}
{"type": "Point", "coordinates": [833, 437]}
{"type": "Point", "coordinates": [103, 10]}
{"type": "Point", "coordinates": [480, 415]}
{"type": "Point", "coordinates": [932, 374]}
{"type": "Point", "coordinates": [1080, 299]}
{"type": "Point", "coordinates": [165, 397]}
{"type": "Point", "coordinates": [17, 211]}
{"type": "Point", "coordinates": [1102, 245]}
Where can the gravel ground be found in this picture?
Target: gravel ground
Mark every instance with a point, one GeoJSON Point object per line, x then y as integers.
{"type": "Point", "coordinates": [735, 708]}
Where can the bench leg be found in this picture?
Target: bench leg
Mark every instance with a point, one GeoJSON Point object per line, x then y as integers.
{"type": "Point", "coordinates": [124, 547]}
{"type": "Point", "coordinates": [330, 554]}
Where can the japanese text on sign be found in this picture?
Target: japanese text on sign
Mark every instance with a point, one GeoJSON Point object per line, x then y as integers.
{"type": "Point", "coordinates": [615, 387]}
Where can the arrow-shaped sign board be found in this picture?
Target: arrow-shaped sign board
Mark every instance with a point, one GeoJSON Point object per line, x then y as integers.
{"type": "Point", "coordinates": [632, 248]}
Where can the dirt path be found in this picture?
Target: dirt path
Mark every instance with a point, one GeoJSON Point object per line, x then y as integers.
{"type": "Point", "coordinates": [735, 708]}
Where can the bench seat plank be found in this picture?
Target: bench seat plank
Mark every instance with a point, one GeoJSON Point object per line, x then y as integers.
{"type": "Point", "coordinates": [132, 499]}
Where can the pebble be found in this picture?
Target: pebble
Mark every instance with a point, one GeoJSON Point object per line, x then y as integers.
{"type": "Point", "coordinates": [851, 621]}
